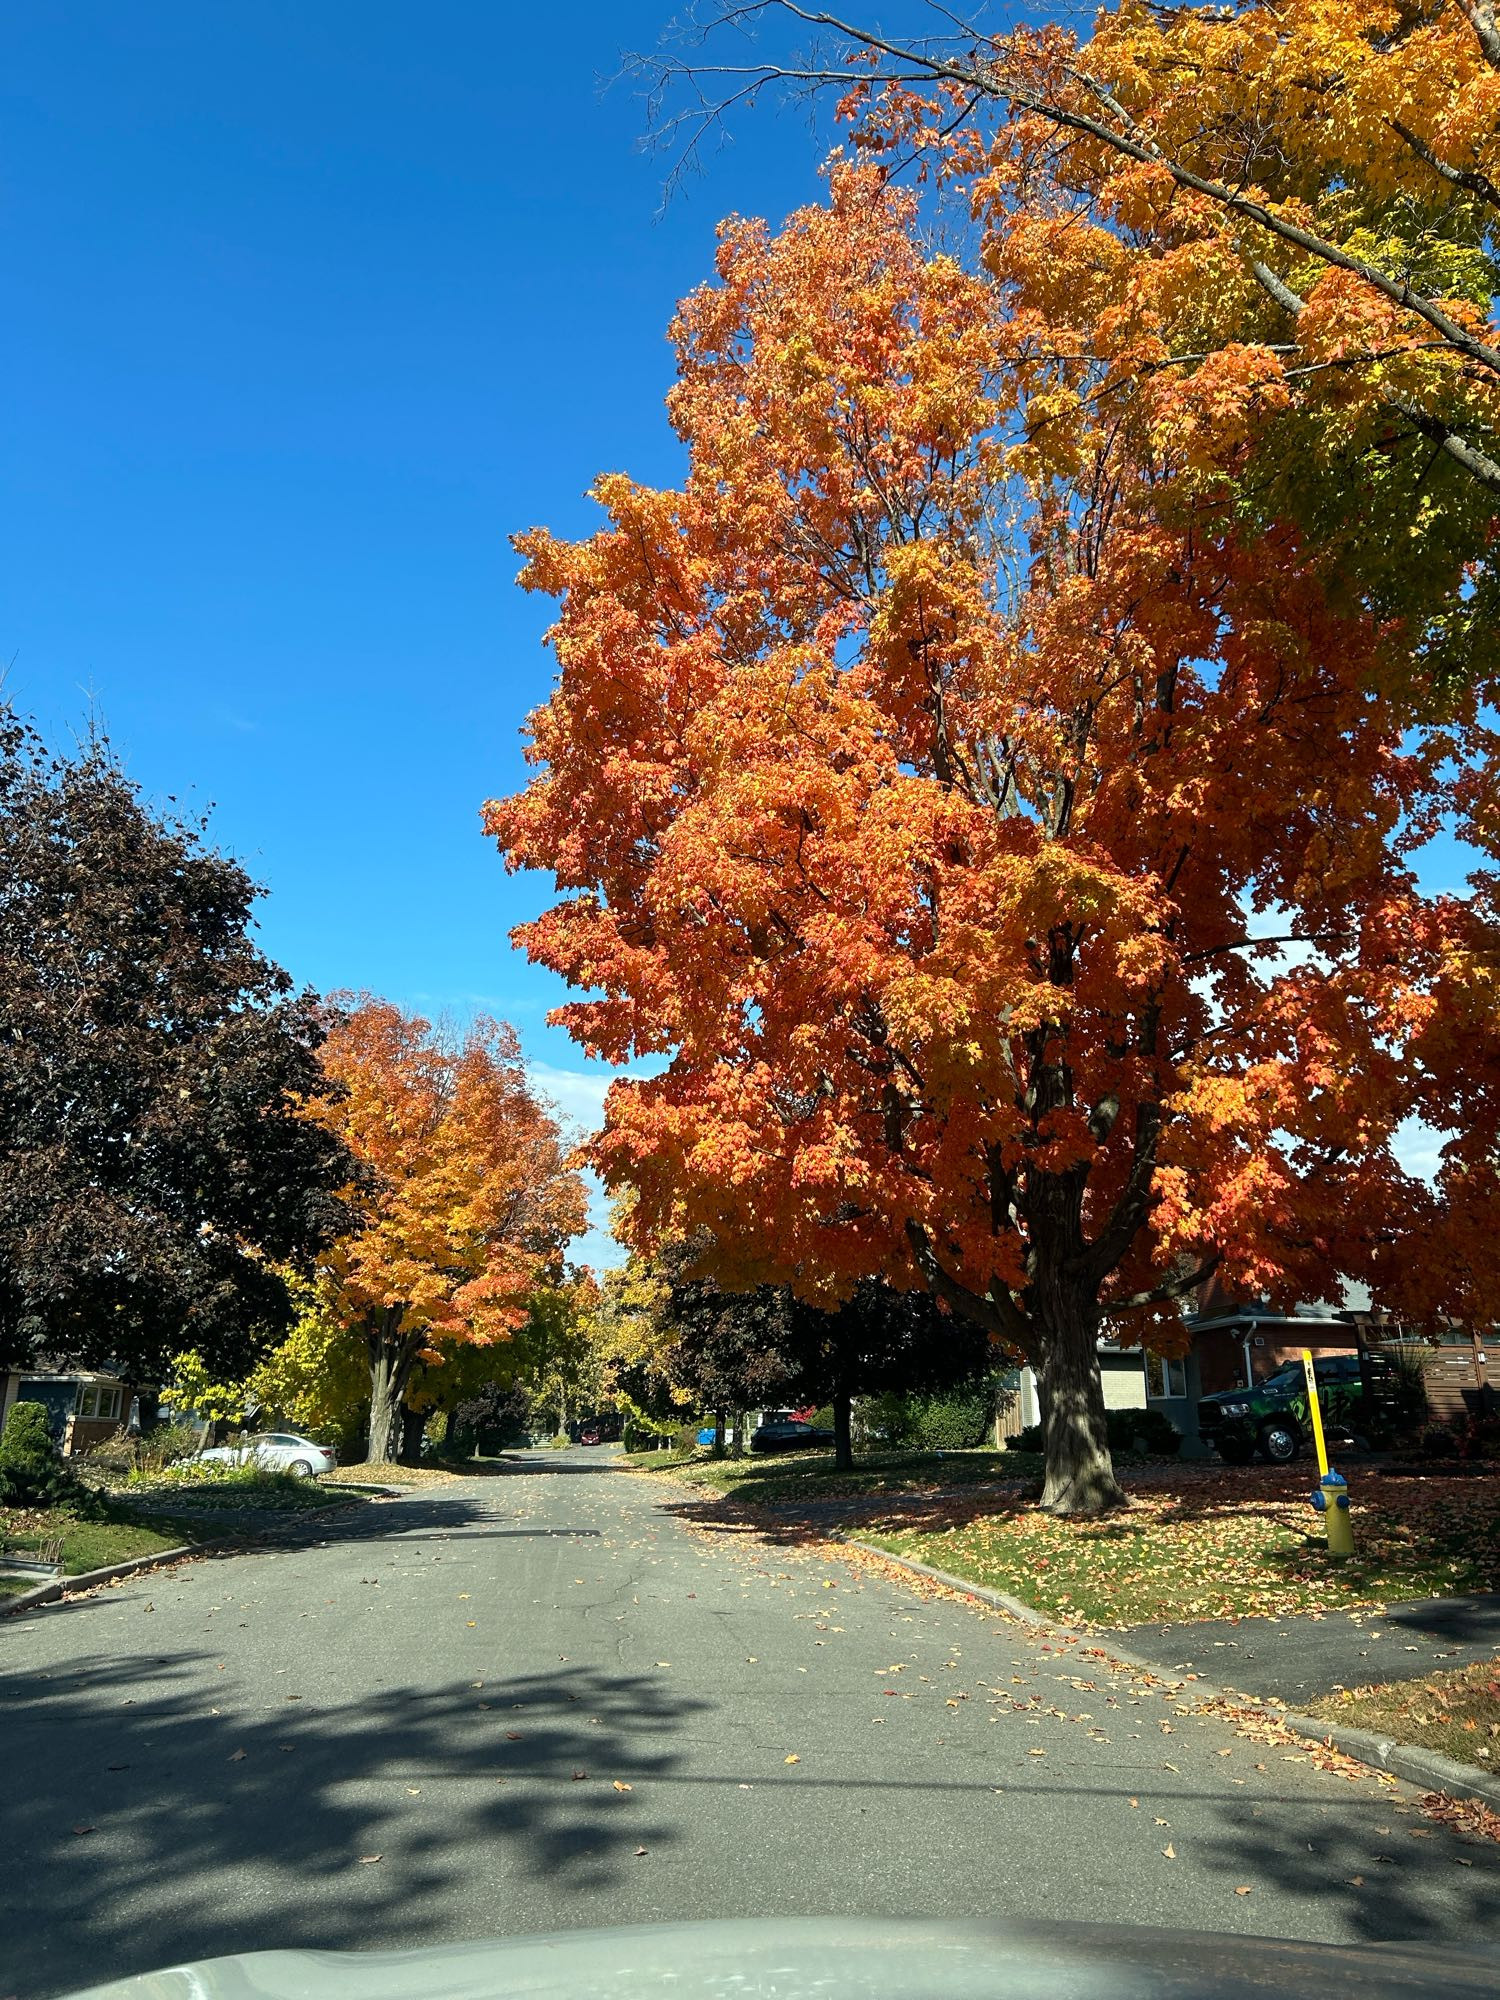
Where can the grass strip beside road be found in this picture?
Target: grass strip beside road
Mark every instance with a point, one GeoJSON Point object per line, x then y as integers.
{"type": "Point", "coordinates": [86, 1544]}
{"type": "Point", "coordinates": [1215, 1543]}
{"type": "Point", "coordinates": [1457, 1713]}
{"type": "Point", "coordinates": [790, 1476]}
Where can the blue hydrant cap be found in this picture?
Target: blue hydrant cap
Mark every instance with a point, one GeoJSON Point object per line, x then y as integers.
{"type": "Point", "coordinates": [1333, 1479]}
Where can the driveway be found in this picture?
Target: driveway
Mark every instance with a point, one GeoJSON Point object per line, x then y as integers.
{"type": "Point", "coordinates": [1299, 1659]}
{"type": "Point", "coordinates": [552, 1698]}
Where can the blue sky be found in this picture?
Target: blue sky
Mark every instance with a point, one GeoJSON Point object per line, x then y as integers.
{"type": "Point", "coordinates": [309, 307]}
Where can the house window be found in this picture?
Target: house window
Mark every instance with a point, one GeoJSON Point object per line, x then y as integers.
{"type": "Point", "coordinates": [1164, 1378]}
{"type": "Point", "coordinates": [99, 1399]}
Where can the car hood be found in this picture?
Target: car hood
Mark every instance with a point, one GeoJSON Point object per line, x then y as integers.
{"type": "Point", "coordinates": [837, 1959]}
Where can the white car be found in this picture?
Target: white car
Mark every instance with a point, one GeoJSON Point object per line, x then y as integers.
{"type": "Point", "coordinates": [277, 1451]}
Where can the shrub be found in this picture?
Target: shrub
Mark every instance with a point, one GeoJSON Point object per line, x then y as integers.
{"type": "Point", "coordinates": [642, 1433]}
{"type": "Point", "coordinates": [950, 1423]}
{"type": "Point", "coordinates": [32, 1472]}
{"type": "Point", "coordinates": [152, 1452]}
{"type": "Point", "coordinates": [1477, 1436]}
{"type": "Point", "coordinates": [1029, 1439]}
{"type": "Point", "coordinates": [1144, 1431]}
{"type": "Point", "coordinates": [1438, 1443]}
{"type": "Point", "coordinates": [822, 1420]}
{"type": "Point", "coordinates": [686, 1437]}
{"type": "Point", "coordinates": [26, 1441]}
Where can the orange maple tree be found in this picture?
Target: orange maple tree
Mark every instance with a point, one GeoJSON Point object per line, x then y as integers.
{"type": "Point", "coordinates": [468, 1198]}
{"type": "Point", "coordinates": [1245, 227]}
{"type": "Point", "coordinates": [1005, 853]}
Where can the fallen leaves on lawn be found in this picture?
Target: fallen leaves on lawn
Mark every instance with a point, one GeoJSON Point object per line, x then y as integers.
{"type": "Point", "coordinates": [1215, 1542]}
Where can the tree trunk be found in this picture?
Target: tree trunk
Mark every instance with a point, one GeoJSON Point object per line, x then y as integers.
{"type": "Point", "coordinates": [843, 1430]}
{"type": "Point", "coordinates": [737, 1449]}
{"type": "Point", "coordinates": [1080, 1471]}
{"type": "Point", "coordinates": [719, 1432]}
{"type": "Point", "coordinates": [391, 1359]}
{"type": "Point", "coordinates": [413, 1424]}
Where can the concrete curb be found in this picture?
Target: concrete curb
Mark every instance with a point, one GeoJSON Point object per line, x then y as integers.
{"type": "Point", "coordinates": [1427, 1768]}
{"type": "Point", "coordinates": [1027, 1614]}
{"type": "Point", "coordinates": [48, 1593]}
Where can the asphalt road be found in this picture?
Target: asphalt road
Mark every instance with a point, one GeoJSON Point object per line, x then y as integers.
{"type": "Point", "coordinates": [552, 1699]}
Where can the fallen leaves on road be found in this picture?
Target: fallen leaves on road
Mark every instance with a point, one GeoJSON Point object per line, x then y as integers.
{"type": "Point", "coordinates": [621, 1786]}
{"type": "Point", "coordinates": [1243, 1889]}
{"type": "Point", "coordinates": [366, 1859]}
{"type": "Point", "coordinates": [80, 1830]}
{"type": "Point", "coordinates": [1469, 1816]}
{"type": "Point", "coordinates": [1170, 1851]}
{"type": "Point", "coordinates": [793, 1759]}
{"type": "Point", "coordinates": [237, 1756]}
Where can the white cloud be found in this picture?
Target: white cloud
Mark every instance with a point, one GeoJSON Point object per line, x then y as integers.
{"type": "Point", "coordinates": [578, 1094]}
{"type": "Point", "coordinates": [1418, 1147]}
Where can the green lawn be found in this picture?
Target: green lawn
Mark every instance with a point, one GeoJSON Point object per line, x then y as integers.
{"type": "Point", "coordinates": [86, 1544]}
{"type": "Point", "coordinates": [1214, 1543]}
{"type": "Point", "coordinates": [788, 1476]}
{"type": "Point", "coordinates": [1457, 1713]}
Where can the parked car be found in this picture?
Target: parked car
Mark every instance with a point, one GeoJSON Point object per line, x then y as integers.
{"type": "Point", "coordinates": [787, 1435]}
{"type": "Point", "coordinates": [1272, 1417]}
{"type": "Point", "coordinates": [591, 1434]}
{"type": "Point", "coordinates": [276, 1451]}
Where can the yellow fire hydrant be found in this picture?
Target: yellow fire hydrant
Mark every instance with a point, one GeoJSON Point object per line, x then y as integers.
{"type": "Point", "coordinates": [1332, 1501]}
{"type": "Point", "coordinates": [1332, 1496]}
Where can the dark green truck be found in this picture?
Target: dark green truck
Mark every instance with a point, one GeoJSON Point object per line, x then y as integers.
{"type": "Point", "coordinates": [1272, 1417]}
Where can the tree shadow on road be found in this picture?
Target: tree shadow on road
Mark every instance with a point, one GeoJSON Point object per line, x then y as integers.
{"type": "Point", "coordinates": [147, 1827]}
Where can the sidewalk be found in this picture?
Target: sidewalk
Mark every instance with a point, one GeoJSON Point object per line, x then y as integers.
{"type": "Point", "coordinates": [1298, 1659]}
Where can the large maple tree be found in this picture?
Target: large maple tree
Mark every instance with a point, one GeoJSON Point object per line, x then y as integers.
{"type": "Point", "coordinates": [467, 1202]}
{"type": "Point", "coordinates": [1267, 226]}
{"type": "Point", "coordinates": [1004, 852]}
